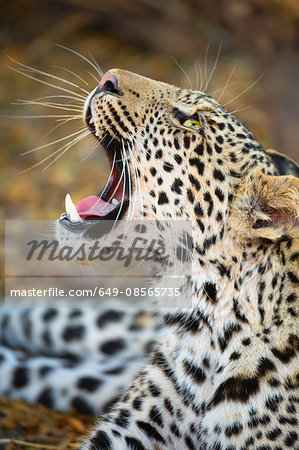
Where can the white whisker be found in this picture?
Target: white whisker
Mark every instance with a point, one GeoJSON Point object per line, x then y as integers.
{"type": "Point", "coordinates": [37, 102]}
{"type": "Point", "coordinates": [123, 194]}
{"type": "Point", "coordinates": [45, 82]}
{"type": "Point", "coordinates": [245, 90]}
{"type": "Point", "coordinates": [110, 174]}
{"type": "Point", "coordinates": [205, 64]}
{"type": "Point", "coordinates": [131, 204]}
{"type": "Point", "coordinates": [118, 183]}
{"type": "Point", "coordinates": [74, 108]}
{"type": "Point", "coordinates": [137, 183]}
{"type": "Point", "coordinates": [71, 144]}
{"type": "Point", "coordinates": [125, 162]}
{"type": "Point", "coordinates": [46, 74]}
{"type": "Point", "coordinates": [197, 76]}
{"type": "Point", "coordinates": [93, 76]}
{"type": "Point", "coordinates": [81, 56]}
{"type": "Point", "coordinates": [242, 108]}
{"type": "Point", "coordinates": [214, 67]}
{"type": "Point", "coordinates": [184, 72]}
{"type": "Point", "coordinates": [134, 140]}
{"type": "Point", "coordinates": [227, 82]}
{"type": "Point", "coordinates": [201, 76]}
{"type": "Point", "coordinates": [57, 126]}
{"type": "Point", "coordinates": [220, 89]}
{"type": "Point", "coordinates": [59, 96]}
{"type": "Point", "coordinates": [71, 118]}
{"type": "Point", "coordinates": [52, 143]}
{"type": "Point", "coordinates": [108, 179]}
{"type": "Point", "coordinates": [97, 144]}
{"type": "Point", "coordinates": [73, 73]}
{"type": "Point", "coordinates": [101, 73]}
{"type": "Point", "coordinates": [62, 149]}
{"type": "Point", "coordinates": [43, 116]}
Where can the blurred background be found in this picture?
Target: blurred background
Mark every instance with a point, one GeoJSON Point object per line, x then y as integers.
{"type": "Point", "coordinates": [246, 51]}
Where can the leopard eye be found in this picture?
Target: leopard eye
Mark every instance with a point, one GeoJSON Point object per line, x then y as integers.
{"type": "Point", "coordinates": [192, 122]}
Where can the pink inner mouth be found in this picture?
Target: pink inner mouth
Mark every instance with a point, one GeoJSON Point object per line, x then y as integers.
{"type": "Point", "coordinates": [94, 206]}
{"type": "Point", "coordinates": [101, 206]}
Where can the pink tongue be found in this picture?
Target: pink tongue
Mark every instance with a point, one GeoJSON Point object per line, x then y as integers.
{"type": "Point", "coordinates": [94, 206]}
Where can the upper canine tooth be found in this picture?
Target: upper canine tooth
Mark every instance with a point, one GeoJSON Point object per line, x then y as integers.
{"type": "Point", "coordinates": [114, 201]}
{"type": "Point", "coordinates": [96, 133]}
{"type": "Point", "coordinates": [71, 210]}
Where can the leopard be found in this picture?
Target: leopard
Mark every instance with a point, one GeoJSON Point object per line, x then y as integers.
{"type": "Point", "coordinates": [224, 374]}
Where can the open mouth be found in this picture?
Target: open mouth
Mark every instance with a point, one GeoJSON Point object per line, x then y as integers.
{"type": "Point", "coordinates": [112, 202]}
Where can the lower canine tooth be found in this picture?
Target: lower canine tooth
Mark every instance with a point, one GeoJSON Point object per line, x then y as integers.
{"type": "Point", "coordinates": [114, 201]}
{"type": "Point", "coordinates": [91, 120]}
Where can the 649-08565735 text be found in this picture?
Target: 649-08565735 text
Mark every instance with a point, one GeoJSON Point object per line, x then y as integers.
{"type": "Point", "coordinates": [96, 292]}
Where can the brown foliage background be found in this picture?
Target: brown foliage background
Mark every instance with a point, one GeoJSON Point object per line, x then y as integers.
{"type": "Point", "coordinates": [259, 47]}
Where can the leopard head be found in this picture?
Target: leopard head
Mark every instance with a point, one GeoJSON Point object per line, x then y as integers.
{"type": "Point", "coordinates": [175, 154]}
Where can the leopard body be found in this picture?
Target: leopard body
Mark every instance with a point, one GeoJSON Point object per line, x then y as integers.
{"type": "Point", "coordinates": [225, 374]}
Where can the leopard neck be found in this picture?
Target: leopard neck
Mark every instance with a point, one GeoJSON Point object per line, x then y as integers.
{"type": "Point", "coordinates": [250, 293]}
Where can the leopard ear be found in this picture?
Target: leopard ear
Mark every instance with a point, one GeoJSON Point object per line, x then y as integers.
{"type": "Point", "coordinates": [267, 206]}
{"type": "Point", "coordinates": [283, 164]}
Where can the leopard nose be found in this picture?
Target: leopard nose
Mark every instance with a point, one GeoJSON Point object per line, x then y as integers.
{"type": "Point", "coordinates": [109, 83]}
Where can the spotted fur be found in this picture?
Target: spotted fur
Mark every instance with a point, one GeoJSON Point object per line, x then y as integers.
{"type": "Point", "coordinates": [225, 376]}
{"type": "Point", "coordinates": [82, 358]}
